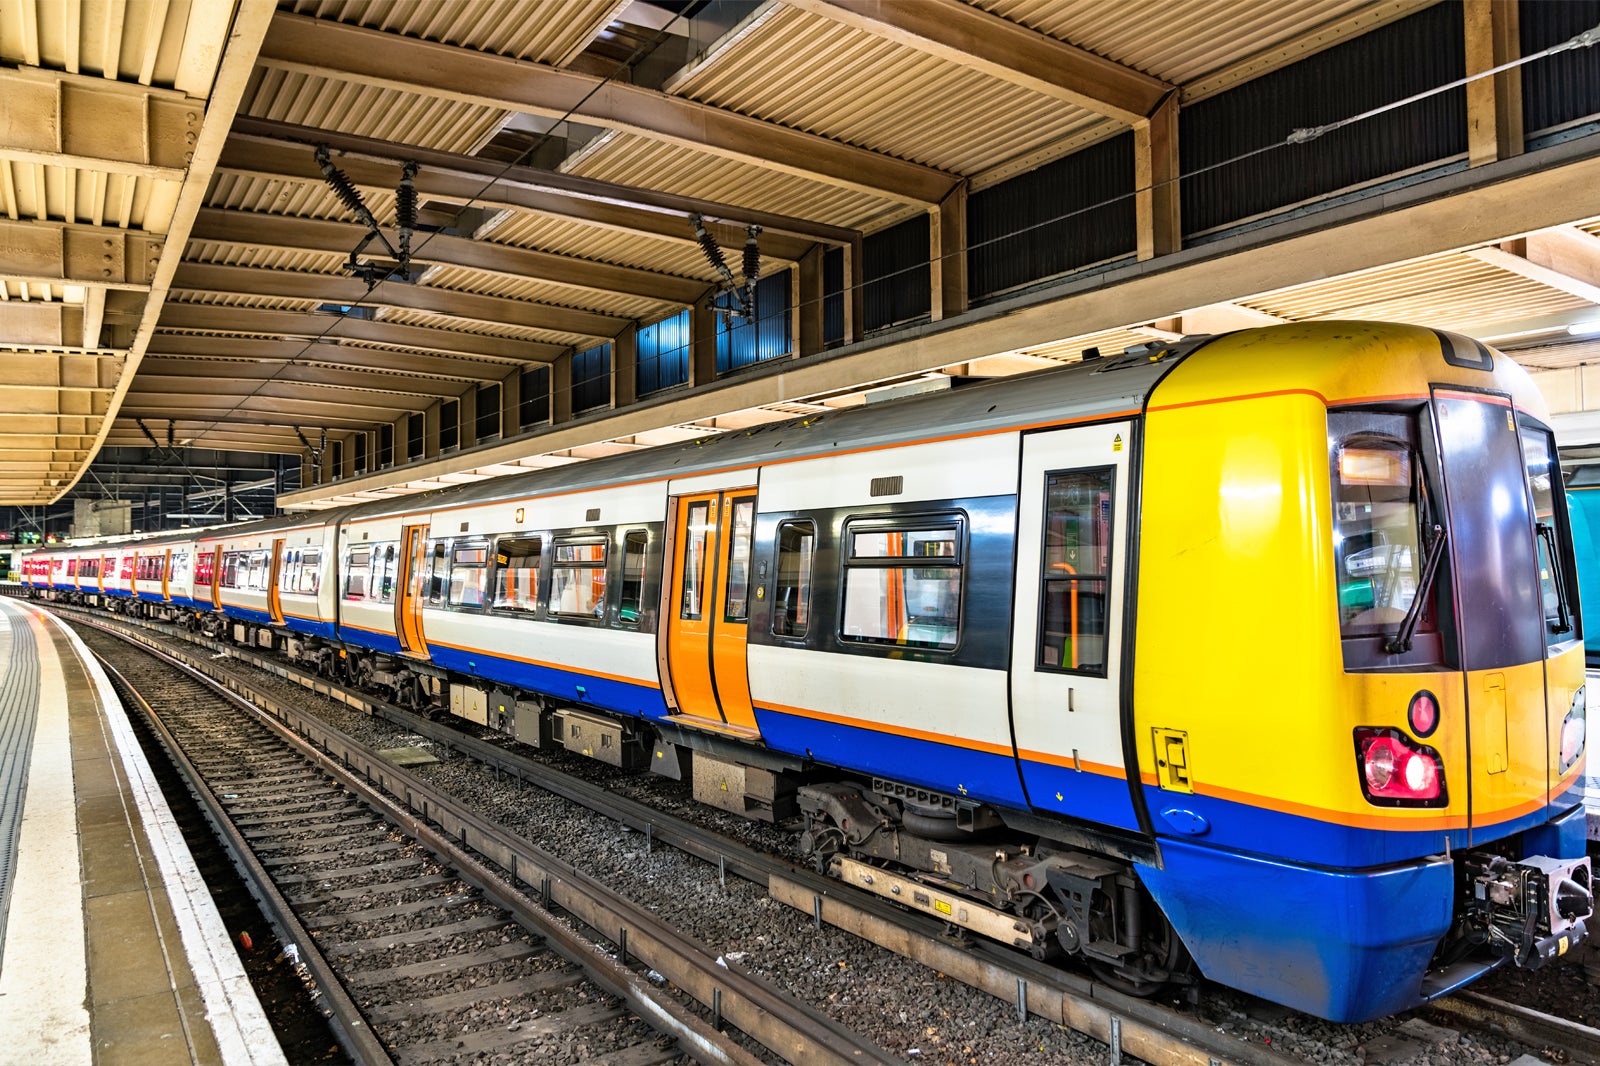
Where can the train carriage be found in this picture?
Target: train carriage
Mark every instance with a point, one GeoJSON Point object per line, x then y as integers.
{"type": "Point", "coordinates": [1260, 654]}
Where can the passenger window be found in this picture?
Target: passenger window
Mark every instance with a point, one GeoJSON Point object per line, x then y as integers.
{"type": "Point", "coordinates": [791, 600]}
{"type": "Point", "coordinates": [357, 567]}
{"type": "Point", "coordinates": [578, 580]}
{"type": "Point", "coordinates": [383, 572]}
{"type": "Point", "coordinates": [694, 560]}
{"type": "Point", "coordinates": [1073, 596]}
{"type": "Point", "coordinates": [516, 586]}
{"type": "Point", "coordinates": [310, 571]}
{"type": "Point", "coordinates": [469, 571]}
{"type": "Point", "coordinates": [902, 586]}
{"type": "Point", "coordinates": [630, 604]}
{"type": "Point", "coordinates": [289, 580]}
{"type": "Point", "coordinates": [1556, 587]}
{"type": "Point", "coordinates": [737, 608]}
{"type": "Point", "coordinates": [438, 563]}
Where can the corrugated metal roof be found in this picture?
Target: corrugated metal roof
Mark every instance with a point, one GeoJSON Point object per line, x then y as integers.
{"type": "Point", "coordinates": [1177, 41]}
{"type": "Point", "coordinates": [228, 299]}
{"type": "Point", "coordinates": [293, 199]}
{"type": "Point", "coordinates": [71, 194]}
{"type": "Point", "coordinates": [539, 291]}
{"type": "Point", "coordinates": [817, 75]}
{"type": "Point", "coordinates": [224, 254]}
{"type": "Point", "coordinates": [544, 31]}
{"type": "Point", "coordinates": [475, 327]}
{"type": "Point", "coordinates": [1448, 292]}
{"type": "Point", "coordinates": [430, 122]}
{"type": "Point", "coordinates": [566, 237]}
{"type": "Point", "coordinates": [632, 159]}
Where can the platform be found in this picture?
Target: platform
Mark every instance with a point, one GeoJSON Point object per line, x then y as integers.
{"type": "Point", "coordinates": [111, 949]}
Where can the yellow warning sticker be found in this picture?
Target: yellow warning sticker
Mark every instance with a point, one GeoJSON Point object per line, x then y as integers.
{"type": "Point", "coordinates": [1116, 443]}
{"type": "Point", "coordinates": [941, 906]}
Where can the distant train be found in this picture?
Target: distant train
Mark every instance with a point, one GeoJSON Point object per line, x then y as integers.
{"type": "Point", "coordinates": [1259, 654]}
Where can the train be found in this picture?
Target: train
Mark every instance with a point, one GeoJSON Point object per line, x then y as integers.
{"type": "Point", "coordinates": [1255, 658]}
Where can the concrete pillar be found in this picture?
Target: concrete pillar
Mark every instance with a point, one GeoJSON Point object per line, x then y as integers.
{"type": "Point", "coordinates": [625, 366]}
{"type": "Point", "coordinates": [702, 344]}
{"type": "Point", "coordinates": [561, 389]}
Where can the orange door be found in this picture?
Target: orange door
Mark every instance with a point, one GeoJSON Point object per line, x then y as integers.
{"type": "Point", "coordinates": [708, 608]}
{"type": "Point", "coordinates": [408, 605]}
{"type": "Point", "coordinates": [274, 571]}
{"type": "Point", "coordinates": [216, 578]}
{"type": "Point", "coordinates": [166, 576]}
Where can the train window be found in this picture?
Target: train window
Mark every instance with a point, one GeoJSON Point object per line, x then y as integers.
{"type": "Point", "coordinates": [630, 604]}
{"type": "Point", "coordinates": [902, 586]}
{"type": "Point", "coordinates": [469, 573]}
{"type": "Point", "coordinates": [1380, 507]}
{"type": "Point", "coordinates": [516, 580]}
{"type": "Point", "coordinates": [289, 579]}
{"type": "Point", "coordinates": [230, 570]}
{"type": "Point", "coordinates": [737, 607]}
{"type": "Point", "coordinates": [357, 568]}
{"type": "Point", "coordinates": [205, 566]}
{"type": "Point", "coordinates": [791, 599]}
{"type": "Point", "coordinates": [260, 569]}
{"type": "Point", "coordinates": [578, 580]}
{"type": "Point", "coordinates": [694, 560]}
{"type": "Point", "coordinates": [308, 579]}
{"type": "Point", "coordinates": [384, 565]}
{"type": "Point", "coordinates": [438, 563]}
{"type": "Point", "coordinates": [1076, 571]}
{"type": "Point", "coordinates": [1556, 586]}
{"type": "Point", "coordinates": [72, 568]}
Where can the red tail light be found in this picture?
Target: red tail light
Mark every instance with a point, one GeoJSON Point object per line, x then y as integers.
{"type": "Point", "coordinates": [1395, 772]}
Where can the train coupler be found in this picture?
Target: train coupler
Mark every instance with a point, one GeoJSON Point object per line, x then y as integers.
{"type": "Point", "coordinates": [1532, 910]}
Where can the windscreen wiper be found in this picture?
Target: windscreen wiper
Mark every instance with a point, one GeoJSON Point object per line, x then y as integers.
{"type": "Point", "coordinates": [1547, 533]}
{"type": "Point", "coordinates": [1401, 641]}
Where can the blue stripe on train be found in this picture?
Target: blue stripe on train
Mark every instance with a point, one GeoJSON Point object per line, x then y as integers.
{"type": "Point", "coordinates": [247, 614]}
{"type": "Point", "coordinates": [608, 694]}
{"type": "Point", "coordinates": [309, 627]}
{"type": "Point", "coordinates": [1296, 838]}
{"type": "Point", "coordinates": [946, 767]}
{"type": "Point", "coordinates": [366, 638]}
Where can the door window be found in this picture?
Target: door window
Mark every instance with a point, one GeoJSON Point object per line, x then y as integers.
{"type": "Point", "coordinates": [630, 604]}
{"type": "Point", "coordinates": [694, 559]}
{"type": "Point", "coordinates": [737, 608]}
{"type": "Point", "coordinates": [1075, 582]}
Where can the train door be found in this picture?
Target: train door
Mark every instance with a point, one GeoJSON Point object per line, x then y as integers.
{"type": "Point", "coordinates": [166, 577]}
{"type": "Point", "coordinates": [707, 607]}
{"type": "Point", "coordinates": [1066, 660]}
{"type": "Point", "coordinates": [274, 573]}
{"type": "Point", "coordinates": [1496, 568]}
{"type": "Point", "coordinates": [216, 578]}
{"type": "Point", "coordinates": [408, 605]}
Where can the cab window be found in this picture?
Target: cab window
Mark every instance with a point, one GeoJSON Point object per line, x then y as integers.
{"type": "Point", "coordinates": [1557, 589]}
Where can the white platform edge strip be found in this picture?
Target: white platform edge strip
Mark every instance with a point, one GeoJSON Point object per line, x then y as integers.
{"type": "Point", "coordinates": [242, 1031]}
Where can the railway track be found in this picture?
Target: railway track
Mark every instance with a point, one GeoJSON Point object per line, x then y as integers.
{"type": "Point", "coordinates": [421, 950]}
{"type": "Point", "coordinates": [1128, 1026]}
{"type": "Point", "coordinates": [1140, 1028]}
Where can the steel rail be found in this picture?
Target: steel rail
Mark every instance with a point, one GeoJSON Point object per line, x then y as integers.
{"type": "Point", "coordinates": [1580, 1042]}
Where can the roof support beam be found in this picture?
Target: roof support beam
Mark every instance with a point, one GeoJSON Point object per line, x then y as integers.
{"type": "Point", "coordinates": [972, 37]}
{"type": "Point", "coordinates": [208, 277]}
{"type": "Point", "coordinates": [312, 327]}
{"type": "Point", "coordinates": [342, 52]}
{"type": "Point", "coordinates": [108, 127]}
{"type": "Point", "coordinates": [1155, 181]}
{"type": "Point", "coordinates": [1494, 104]}
{"type": "Point", "coordinates": [310, 399]}
{"type": "Point", "coordinates": [164, 374]}
{"type": "Point", "coordinates": [1555, 279]}
{"type": "Point", "coordinates": [282, 149]}
{"type": "Point", "coordinates": [61, 254]}
{"type": "Point", "coordinates": [320, 235]}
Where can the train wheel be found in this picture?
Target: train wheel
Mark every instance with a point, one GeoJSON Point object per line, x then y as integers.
{"type": "Point", "coordinates": [1163, 961]}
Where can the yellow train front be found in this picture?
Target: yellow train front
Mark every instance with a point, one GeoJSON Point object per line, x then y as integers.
{"type": "Point", "coordinates": [1358, 679]}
